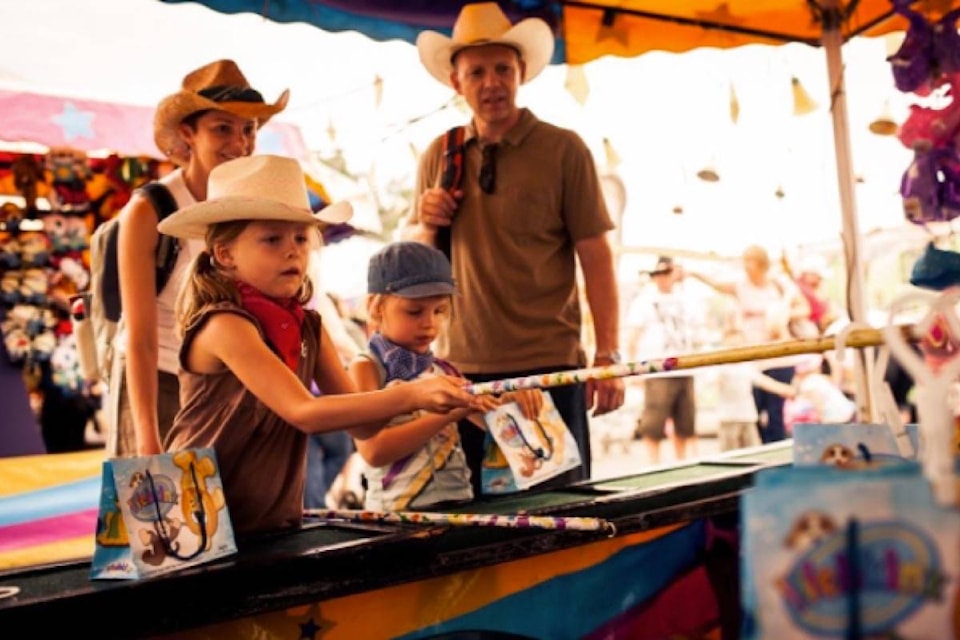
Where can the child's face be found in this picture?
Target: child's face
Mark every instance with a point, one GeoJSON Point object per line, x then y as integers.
{"type": "Point", "coordinates": [270, 256]}
{"type": "Point", "coordinates": [414, 323]}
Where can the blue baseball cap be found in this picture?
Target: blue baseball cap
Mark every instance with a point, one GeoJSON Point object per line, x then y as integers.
{"type": "Point", "coordinates": [410, 270]}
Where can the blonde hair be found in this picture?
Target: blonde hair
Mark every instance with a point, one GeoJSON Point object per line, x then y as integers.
{"type": "Point", "coordinates": [208, 283]}
{"type": "Point", "coordinates": [757, 253]}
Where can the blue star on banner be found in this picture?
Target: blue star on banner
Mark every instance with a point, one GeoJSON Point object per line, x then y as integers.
{"type": "Point", "coordinates": [75, 123]}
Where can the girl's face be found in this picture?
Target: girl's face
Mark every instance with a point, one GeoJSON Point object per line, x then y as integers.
{"type": "Point", "coordinates": [219, 136]}
{"type": "Point", "coordinates": [271, 256]}
{"type": "Point", "coordinates": [414, 323]}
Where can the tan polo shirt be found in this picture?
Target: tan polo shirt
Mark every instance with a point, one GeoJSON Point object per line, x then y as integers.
{"type": "Point", "coordinates": [513, 250]}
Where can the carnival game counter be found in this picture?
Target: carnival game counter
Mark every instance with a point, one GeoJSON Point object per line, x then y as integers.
{"type": "Point", "coordinates": [671, 567]}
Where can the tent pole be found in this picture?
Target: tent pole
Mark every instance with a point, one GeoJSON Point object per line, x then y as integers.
{"type": "Point", "coordinates": [856, 297]}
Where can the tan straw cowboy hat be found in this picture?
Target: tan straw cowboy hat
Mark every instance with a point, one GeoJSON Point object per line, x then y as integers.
{"type": "Point", "coordinates": [252, 188]}
{"type": "Point", "coordinates": [219, 85]}
{"type": "Point", "coordinates": [485, 23]}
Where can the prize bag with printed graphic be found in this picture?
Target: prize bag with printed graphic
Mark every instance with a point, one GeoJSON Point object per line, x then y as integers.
{"type": "Point", "coordinates": [852, 446]}
{"type": "Point", "coordinates": [159, 514]}
{"type": "Point", "coordinates": [521, 453]}
{"type": "Point", "coordinates": [827, 553]}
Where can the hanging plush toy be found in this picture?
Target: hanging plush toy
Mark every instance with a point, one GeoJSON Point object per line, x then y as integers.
{"type": "Point", "coordinates": [10, 217]}
{"type": "Point", "coordinates": [27, 175]}
{"type": "Point", "coordinates": [10, 287]}
{"type": "Point", "coordinates": [65, 366]}
{"type": "Point", "coordinates": [111, 191]}
{"type": "Point", "coordinates": [931, 187]}
{"type": "Point", "coordinates": [929, 128]}
{"type": "Point", "coordinates": [16, 341]}
{"type": "Point", "coordinates": [928, 52]}
{"type": "Point", "coordinates": [69, 174]}
{"type": "Point", "coordinates": [35, 249]}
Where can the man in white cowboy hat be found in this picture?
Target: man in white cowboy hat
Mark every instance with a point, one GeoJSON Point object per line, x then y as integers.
{"type": "Point", "coordinates": [528, 205]}
{"type": "Point", "coordinates": [213, 118]}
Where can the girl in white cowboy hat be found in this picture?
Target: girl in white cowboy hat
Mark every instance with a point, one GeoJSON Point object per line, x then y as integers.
{"type": "Point", "coordinates": [251, 350]}
{"type": "Point", "coordinates": [214, 117]}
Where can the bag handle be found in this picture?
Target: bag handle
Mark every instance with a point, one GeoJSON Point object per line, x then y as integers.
{"type": "Point", "coordinates": [451, 178]}
{"type": "Point", "coordinates": [173, 548]}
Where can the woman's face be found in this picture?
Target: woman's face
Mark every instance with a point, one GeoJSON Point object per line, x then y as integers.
{"type": "Point", "coordinates": [219, 136]}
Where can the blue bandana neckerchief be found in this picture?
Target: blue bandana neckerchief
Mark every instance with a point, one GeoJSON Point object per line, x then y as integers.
{"type": "Point", "coordinates": [403, 364]}
{"type": "Point", "coordinates": [400, 363]}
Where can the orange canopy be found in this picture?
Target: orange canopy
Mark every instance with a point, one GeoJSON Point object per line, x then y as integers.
{"type": "Point", "coordinates": [631, 27]}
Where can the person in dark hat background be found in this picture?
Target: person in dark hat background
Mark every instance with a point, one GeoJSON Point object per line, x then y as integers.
{"type": "Point", "coordinates": [528, 207]}
{"type": "Point", "coordinates": [213, 118]}
{"type": "Point", "coordinates": [660, 325]}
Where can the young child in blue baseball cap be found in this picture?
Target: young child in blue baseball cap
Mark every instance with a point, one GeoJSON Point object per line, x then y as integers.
{"type": "Point", "coordinates": [417, 461]}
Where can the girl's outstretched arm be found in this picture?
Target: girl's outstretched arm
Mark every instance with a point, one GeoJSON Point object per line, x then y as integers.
{"type": "Point", "coordinates": [228, 340]}
{"type": "Point", "coordinates": [385, 446]}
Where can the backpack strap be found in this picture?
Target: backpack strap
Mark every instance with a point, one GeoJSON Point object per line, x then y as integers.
{"type": "Point", "coordinates": [168, 247]}
{"type": "Point", "coordinates": [452, 176]}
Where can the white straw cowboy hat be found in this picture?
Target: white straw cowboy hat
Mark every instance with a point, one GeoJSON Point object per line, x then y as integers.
{"type": "Point", "coordinates": [218, 85]}
{"type": "Point", "coordinates": [485, 23]}
{"type": "Point", "coordinates": [252, 188]}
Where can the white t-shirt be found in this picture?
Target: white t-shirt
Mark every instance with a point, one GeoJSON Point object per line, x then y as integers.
{"type": "Point", "coordinates": [168, 342]}
{"type": "Point", "coordinates": [735, 392]}
{"type": "Point", "coordinates": [760, 310]}
{"type": "Point", "coordinates": [831, 404]}
{"type": "Point", "coordinates": [666, 325]}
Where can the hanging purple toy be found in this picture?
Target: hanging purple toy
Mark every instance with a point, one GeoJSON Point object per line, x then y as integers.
{"type": "Point", "coordinates": [928, 51]}
{"type": "Point", "coordinates": [930, 187]}
{"type": "Point", "coordinates": [911, 64]}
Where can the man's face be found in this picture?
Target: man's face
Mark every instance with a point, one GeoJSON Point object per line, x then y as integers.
{"type": "Point", "coordinates": [664, 281]}
{"type": "Point", "coordinates": [488, 77]}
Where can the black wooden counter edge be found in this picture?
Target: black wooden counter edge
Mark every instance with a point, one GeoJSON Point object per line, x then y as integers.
{"type": "Point", "coordinates": [276, 572]}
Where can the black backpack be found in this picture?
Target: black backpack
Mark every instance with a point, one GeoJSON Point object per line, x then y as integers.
{"type": "Point", "coordinates": [105, 304]}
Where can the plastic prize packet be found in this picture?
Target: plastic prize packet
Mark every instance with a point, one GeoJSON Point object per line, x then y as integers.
{"type": "Point", "coordinates": [849, 446]}
{"type": "Point", "coordinates": [520, 453]}
{"type": "Point", "coordinates": [832, 554]}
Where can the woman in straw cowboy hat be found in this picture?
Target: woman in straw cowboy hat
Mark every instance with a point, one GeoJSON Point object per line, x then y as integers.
{"type": "Point", "coordinates": [213, 118]}
{"type": "Point", "coordinates": [528, 206]}
{"type": "Point", "coordinates": [251, 350]}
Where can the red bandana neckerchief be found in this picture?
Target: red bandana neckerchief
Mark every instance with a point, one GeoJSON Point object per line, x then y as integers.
{"type": "Point", "coordinates": [279, 319]}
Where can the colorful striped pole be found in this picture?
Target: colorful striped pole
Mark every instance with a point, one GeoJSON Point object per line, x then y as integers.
{"type": "Point", "coordinates": [466, 519]}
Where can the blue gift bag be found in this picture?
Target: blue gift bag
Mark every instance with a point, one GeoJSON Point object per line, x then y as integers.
{"type": "Point", "coordinates": [160, 514]}
{"type": "Point", "coordinates": [828, 553]}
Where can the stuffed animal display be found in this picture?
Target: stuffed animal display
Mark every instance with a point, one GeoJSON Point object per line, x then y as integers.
{"type": "Point", "coordinates": [927, 64]}
{"type": "Point", "coordinates": [44, 253]}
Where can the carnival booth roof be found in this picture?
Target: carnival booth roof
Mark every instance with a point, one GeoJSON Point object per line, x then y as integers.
{"type": "Point", "coordinates": [93, 126]}
{"type": "Point", "coordinates": [588, 30]}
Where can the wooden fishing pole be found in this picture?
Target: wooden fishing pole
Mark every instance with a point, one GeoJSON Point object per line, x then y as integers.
{"type": "Point", "coordinates": [856, 338]}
